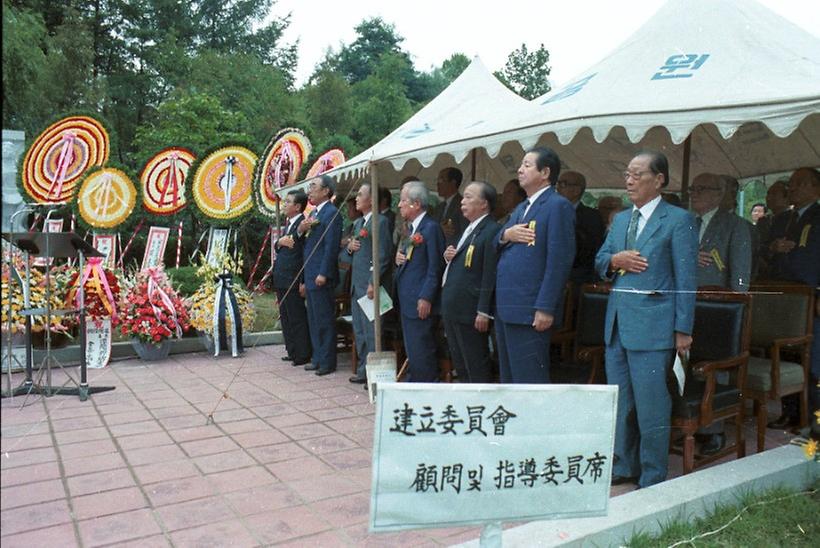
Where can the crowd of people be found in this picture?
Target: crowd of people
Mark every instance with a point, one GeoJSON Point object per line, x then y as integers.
{"type": "Point", "coordinates": [489, 270]}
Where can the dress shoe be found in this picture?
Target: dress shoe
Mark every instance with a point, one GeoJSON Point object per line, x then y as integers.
{"type": "Point", "coordinates": [301, 362]}
{"type": "Point", "coordinates": [355, 379]}
{"type": "Point", "coordinates": [620, 480]}
{"type": "Point", "coordinates": [323, 372]}
{"type": "Point", "coordinates": [287, 358]}
{"type": "Point", "coordinates": [712, 444]}
{"type": "Point", "coordinates": [783, 422]}
{"type": "Point", "coordinates": [311, 367]}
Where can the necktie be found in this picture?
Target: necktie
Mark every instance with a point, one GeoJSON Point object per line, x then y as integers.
{"type": "Point", "coordinates": [467, 232]}
{"type": "Point", "coordinates": [524, 211]}
{"type": "Point", "coordinates": [632, 232]}
{"type": "Point", "coordinates": [699, 225]}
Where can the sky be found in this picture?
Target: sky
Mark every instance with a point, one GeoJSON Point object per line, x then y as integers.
{"type": "Point", "coordinates": [577, 33]}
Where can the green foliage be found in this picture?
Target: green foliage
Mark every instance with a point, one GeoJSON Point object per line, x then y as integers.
{"type": "Point", "coordinates": [527, 73]}
{"type": "Point", "coordinates": [197, 121]}
{"type": "Point", "coordinates": [329, 104]}
{"type": "Point", "coordinates": [184, 279]}
{"type": "Point", "coordinates": [774, 518]}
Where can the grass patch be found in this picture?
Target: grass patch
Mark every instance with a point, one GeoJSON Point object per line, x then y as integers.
{"type": "Point", "coordinates": [779, 517]}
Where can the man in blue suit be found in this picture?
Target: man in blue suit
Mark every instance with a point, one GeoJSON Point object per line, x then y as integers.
{"type": "Point", "coordinates": [650, 255]}
{"type": "Point", "coordinates": [417, 278]}
{"type": "Point", "coordinates": [287, 277]}
{"type": "Point", "coordinates": [468, 284]}
{"type": "Point", "coordinates": [535, 255]}
{"type": "Point", "coordinates": [322, 231]}
{"type": "Point", "coordinates": [360, 247]}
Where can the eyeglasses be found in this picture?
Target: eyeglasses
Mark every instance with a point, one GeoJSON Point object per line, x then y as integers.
{"type": "Point", "coordinates": [697, 189]}
{"type": "Point", "coordinates": [634, 175]}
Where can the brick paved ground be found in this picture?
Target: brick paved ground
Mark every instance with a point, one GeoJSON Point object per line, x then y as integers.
{"type": "Point", "coordinates": [287, 461]}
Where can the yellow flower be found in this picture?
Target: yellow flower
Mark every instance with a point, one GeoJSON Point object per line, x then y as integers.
{"type": "Point", "coordinates": [810, 449]}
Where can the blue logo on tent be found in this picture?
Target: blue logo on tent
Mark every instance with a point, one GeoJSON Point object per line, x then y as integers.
{"type": "Point", "coordinates": [410, 134]}
{"type": "Point", "coordinates": [570, 90]}
{"type": "Point", "coordinates": [685, 64]}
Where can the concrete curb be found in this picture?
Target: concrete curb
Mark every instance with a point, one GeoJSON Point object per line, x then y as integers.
{"type": "Point", "coordinates": [681, 499]}
{"type": "Point", "coordinates": [70, 355]}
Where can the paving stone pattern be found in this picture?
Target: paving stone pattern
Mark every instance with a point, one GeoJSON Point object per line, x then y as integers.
{"type": "Point", "coordinates": [285, 462]}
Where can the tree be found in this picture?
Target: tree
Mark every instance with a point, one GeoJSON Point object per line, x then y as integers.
{"type": "Point", "coordinates": [328, 100]}
{"type": "Point", "coordinates": [374, 39]}
{"type": "Point", "coordinates": [196, 120]}
{"type": "Point", "coordinates": [381, 102]}
{"type": "Point", "coordinates": [527, 73]}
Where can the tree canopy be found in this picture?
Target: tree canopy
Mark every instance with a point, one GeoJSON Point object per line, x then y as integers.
{"type": "Point", "coordinates": [199, 73]}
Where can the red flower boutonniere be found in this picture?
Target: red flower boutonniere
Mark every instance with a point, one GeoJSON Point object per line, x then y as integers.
{"type": "Point", "coordinates": [363, 233]}
{"type": "Point", "coordinates": [415, 240]}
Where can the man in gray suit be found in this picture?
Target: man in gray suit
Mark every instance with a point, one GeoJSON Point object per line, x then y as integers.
{"type": "Point", "coordinates": [650, 255]}
{"type": "Point", "coordinates": [360, 246]}
{"type": "Point", "coordinates": [725, 241]}
{"type": "Point", "coordinates": [724, 260]}
{"type": "Point", "coordinates": [468, 284]}
{"type": "Point", "coordinates": [448, 211]}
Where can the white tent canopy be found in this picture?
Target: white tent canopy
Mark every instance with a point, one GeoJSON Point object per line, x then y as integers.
{"type": "Point", "coordinates": [742, 83]}
{"type": "Point", "coordinates": [441, 133]}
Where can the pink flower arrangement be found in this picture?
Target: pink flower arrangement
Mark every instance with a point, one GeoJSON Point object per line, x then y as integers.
{"type": "Point", "coordinates": [150, 309]}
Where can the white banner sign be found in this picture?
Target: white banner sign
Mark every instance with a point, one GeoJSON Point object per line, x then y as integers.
{"type": "Point", "coordinates": [155, 246]}
{"type": "Point", "coordinates": [97, 342]}
{"type": "Point", "coordinates": [217, 243]}
{"type": "Point", "coordinates": [105, 244]}
{"type": "Point", "coordinates": [449, 455]}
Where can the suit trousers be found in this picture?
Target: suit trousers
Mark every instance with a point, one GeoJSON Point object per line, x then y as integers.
{"type": "Point", "coordinates": [420, 345]}
{"type": "Point", "coordinates": [322, 319]}
{"type": "Point", "coordinates": [295, 329]}
{"type": "Point", "coordinates": [523, 353]}
{"type": "Point", "coordinates": [643, 424]}
{"type": "Point", "coordinates": [364, 332]}
{"type": "Point", "coordinates": [469, 350]}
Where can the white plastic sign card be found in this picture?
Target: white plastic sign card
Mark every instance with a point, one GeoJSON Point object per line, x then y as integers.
{"type": "Point", "coordinates": [450, 455]}
{"type": "Point", "coordinates": [155, 246]}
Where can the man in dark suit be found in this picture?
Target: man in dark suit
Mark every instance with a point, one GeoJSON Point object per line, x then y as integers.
{"type": "Point", "coordinates": [385, 203]}
{"type": "Point", "coordinates": [467, 286]}
{"type": "Point", "coordinates": [650, 255]}
{"type": "Point", "coordinates": [287, 277]}
{"type": "Point", "coordinates": [322, 231]}
{"type": "Point", "coordinates": [724, 260]}
{"type": "Point", "coordinates": [589, 227]}
{"type": "Point", "coordinates": [536, 250]}
{"type": "Point", "coordinates": [795, 252]}
{"type": "Point", "coordinates": [418, 282]}
{"type": "Point", "coordinates": [448, 211]}
{"type": "Point", "coordinates": [360, 247]}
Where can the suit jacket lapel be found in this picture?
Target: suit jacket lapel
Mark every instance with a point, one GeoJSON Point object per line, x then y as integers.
{"type": "Point", "coordinates": [476, 231]}
{"type": "Point", "coordinates": [652, 225]}
{"type": "Point", "coordinates": [294, 225]}
{"type": "Point", "coordinates": [538, 203]}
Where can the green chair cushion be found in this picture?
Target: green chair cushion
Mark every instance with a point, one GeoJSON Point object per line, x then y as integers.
{"type": "Point", "coordinates": [759, 374]}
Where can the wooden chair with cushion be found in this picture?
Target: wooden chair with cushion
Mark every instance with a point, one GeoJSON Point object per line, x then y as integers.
{"type": "Point", "coordinates": [345, 338]}
{"type": "Point", "coordinates": [586, 363]}
{"type": "Point", "coordinates": [782, 316]}
{"type": "Point", "coordinates": [720, 342]}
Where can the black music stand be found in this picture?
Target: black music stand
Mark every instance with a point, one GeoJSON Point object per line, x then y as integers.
{"type": "Point", "coordinates": [67, 245]}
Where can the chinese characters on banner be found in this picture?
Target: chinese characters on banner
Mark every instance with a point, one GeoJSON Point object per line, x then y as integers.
{"type": "Point", "coordinates": [97, 342]}
{"type": "Point", "coordinates": [105, 244]}
{"type": "Point", "coordinates": [452, 455]}
{"type": "Point", "coordinates": [155, 246]}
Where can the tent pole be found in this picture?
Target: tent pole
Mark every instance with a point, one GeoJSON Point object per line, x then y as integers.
{"type": "Point", "coordinates": [684, 178]}
{"type": "Point", "coordinates": [374, 228]}
{"type": "Point", "coordinates": [472, 165]}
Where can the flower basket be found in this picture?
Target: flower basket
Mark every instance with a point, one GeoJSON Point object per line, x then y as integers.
{"type": "Point", "coordinates": [150, 310]}
{"type": "Point", "coordinates": [101, 291]}
{"type": "Point", "coordinates": [202, 301]}
{"type": "Point", "coordinates": [12, 296]}
{"type": "Point", "coordinates": [151, 352]}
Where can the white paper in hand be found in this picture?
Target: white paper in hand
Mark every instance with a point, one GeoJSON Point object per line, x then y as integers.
{"type": "Point", "coordinates": [679, 368]}
{"type": "Point", "coordinates": [385, 304]}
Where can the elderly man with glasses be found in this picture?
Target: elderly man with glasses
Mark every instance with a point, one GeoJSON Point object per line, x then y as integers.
{"type": "Point", "coordinates": [650, 255]}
